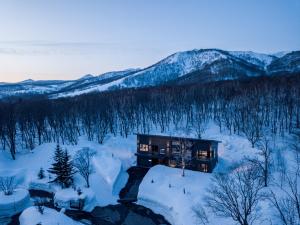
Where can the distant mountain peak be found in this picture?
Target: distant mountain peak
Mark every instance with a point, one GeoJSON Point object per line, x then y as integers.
{"type": "Point", "coordinates": [281, 54]}
{"type": "Point", "coordinates": [87, 76]}
{"type": "Point", "coordinates": [27, 81]}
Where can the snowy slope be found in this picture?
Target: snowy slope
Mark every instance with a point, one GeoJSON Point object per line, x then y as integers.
{"type": "Point", "coordinates": [203, 65]}
{"type": "Point", "coordinates": [173, 67]}
{"type": "Point", "coordinates": [259, 59]}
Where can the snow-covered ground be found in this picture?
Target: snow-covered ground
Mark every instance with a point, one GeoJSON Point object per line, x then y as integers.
{"type": "Point", "coordinates": [166, 192]}
{"type": "Point", "coordinates": [15, 203]}
{"type": "Point", "coordinates": [63, 198]}
{"type": "Point", "coordinates": [109, 176]}
{"type": "Point", "coordinates": [170, 194]}
{"type": "Point", "coordinates": [32, 216]}
{"type": "Point", "coordinates": [177, 197]}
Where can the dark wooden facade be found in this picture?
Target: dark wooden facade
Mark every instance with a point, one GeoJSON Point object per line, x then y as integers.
{"type": "Point", "coordinates": [199, 154]}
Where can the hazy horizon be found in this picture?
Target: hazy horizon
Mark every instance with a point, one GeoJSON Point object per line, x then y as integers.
{"type": "Point", "coordinates": [67, 39]}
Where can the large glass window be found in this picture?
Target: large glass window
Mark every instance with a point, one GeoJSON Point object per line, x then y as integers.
{"type": "Point", "coordinates": [202, 154]}
{"type": "Point", "coordinates": [144, 148]}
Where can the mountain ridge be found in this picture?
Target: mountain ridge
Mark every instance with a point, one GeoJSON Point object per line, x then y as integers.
{"type": "Point", "coordinates": [198, 65]}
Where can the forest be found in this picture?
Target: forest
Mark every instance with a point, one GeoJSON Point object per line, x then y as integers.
{"type": "Point", "coordinates": [252, 108]}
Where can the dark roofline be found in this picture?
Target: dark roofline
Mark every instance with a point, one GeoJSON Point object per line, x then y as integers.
{"type": "Point", "coordinates": [176, 137]}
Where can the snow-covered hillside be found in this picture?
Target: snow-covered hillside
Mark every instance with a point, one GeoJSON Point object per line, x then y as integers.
{"type": "Point", "coordinates": [204, 65]}
{"type": "Point", "coordinates": [259, 59]}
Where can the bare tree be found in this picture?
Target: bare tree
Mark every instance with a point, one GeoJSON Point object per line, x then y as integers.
{"type": "Point", "coordinates": [236, 195]}
{"type": "Point", "coordinates": [287, 202]}
{"type": "Point", "coordinates": [7, 185]}
{"type": "Point", "coordinates": [83, 163]}
{"type": "Point", "coordinates": [264, 163]}
{"type": "Point", "coordinates": [201, 215]}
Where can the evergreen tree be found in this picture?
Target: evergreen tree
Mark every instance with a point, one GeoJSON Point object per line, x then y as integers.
{"type": "Point", "coordinates": [41, 174]}
{"type": "Point", "coordinates": [57, 166]}
{"type": "Point", "coordinates": [62, 167]}
{"type": "Point", "coordinates": [67, 169]}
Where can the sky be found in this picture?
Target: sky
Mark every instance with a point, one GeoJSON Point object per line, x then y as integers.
{"type": "Point", "coordinates": [66, 39]}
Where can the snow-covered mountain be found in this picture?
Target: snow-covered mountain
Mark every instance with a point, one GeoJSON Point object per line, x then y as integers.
{"type": "Point", "coordinates": [204, 65]}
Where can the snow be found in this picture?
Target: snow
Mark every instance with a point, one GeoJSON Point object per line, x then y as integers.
{"type": "Point", "coordinates": [31, 216]}
{"type": "Point", "coordinates": [41, 185]}
{"type": "Point", "coordinates": [116, 155]}
{"type": "Point", "coordinates": [258, 59]}
{"type": "Point", "coordinates": [110, 164]}
{"type": "Point", "coordinates": [116, 73]}
{"type": "Point", "coordinates": [176, 208]}
{"type": "Point", "coordinates": [281, 54]}
{"type": "Point", "coordinates": [15, 203]}
{"type": "Point", "coordinates": [63, 197]}
{"type": "Point", "coordinates": [179, 207]}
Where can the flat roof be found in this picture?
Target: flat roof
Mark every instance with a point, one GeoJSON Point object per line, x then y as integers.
{"type": "Point", "coordinates": [177, 137]}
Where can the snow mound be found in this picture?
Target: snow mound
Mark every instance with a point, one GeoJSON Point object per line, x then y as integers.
{"type": "Point", "coordinates": [63, 198]}
{"type": "Point", "coordinates": [15, 203]}
{"type": "Point", "coordinates": [31, 216]}
{"type": "Point", "coordinates": [41, 185]}
{"type": "Point", "coordinates": [166, 192]}
{"type": "Point", "coordinates": [108, 167]}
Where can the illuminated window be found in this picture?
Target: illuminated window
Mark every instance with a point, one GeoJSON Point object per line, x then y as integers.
{"type": "Point", "coordinates": [144, 148]}
{"type": "Point", "coordinates": [202, 154]}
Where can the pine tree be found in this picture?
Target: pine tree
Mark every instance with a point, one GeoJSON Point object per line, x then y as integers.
{"type": "Point", "coordinates": [62, 167]}
{"type": "Point", "coordinates": [57, 166]}
{"type": "Point", "coordinates": [67, 169]}
{"type": "Point", "coordinates": [41, 174]}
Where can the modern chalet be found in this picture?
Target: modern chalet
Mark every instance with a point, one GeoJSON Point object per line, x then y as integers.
{"type": "Point", "coordinates": [196, 154]}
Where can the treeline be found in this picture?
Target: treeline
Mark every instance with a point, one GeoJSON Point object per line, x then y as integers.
{"type": "Point", "coordinates": [247, 107]}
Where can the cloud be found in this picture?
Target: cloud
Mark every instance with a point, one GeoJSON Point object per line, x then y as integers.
{"type": "Point", "coordinates": [53, 47]}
